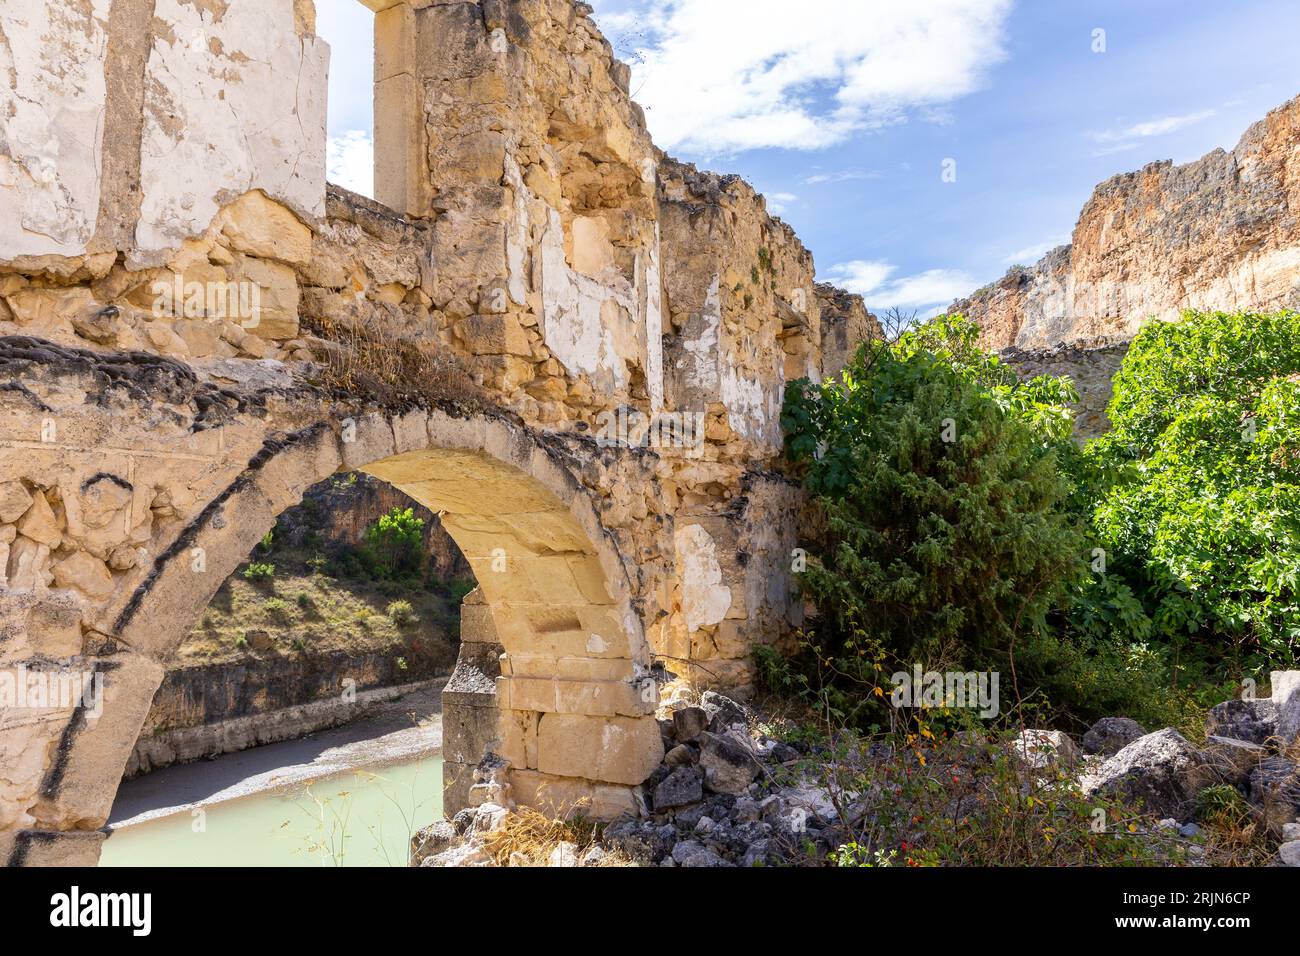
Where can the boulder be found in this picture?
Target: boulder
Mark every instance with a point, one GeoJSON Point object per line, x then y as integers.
{"type": "Point", "coordinates": [1254, 721]}
{"type": "Point", "coordinates": [434, 839]}
{"type": "Point", "coordinates": [564, 855]}
{"type": "Point", "coordinates": [724, 713]}
{"type": "Point", "coordinates": [1233, 760]}
{"type": "Point", "coordinates": [1046, 749]}
{"type": "Point", "coordinates": [1275, 789]}
{"type": "Point", "coordinates": [593, 856]}
{"type": "Point", "coordinates": [683, 786]}
{"type": "Point", "coordinates": [729, 766]}
{"type": "Point", "coordinates": [689, 723]}
{"type": "Point", "coordinates": [1161, 771]}
{"type": "Point", "coordinates": [695, 854]}
{"type": "Point", "coordinates": [1289, 854]}
{"type": "Point", "coordinates": [1110, 735]}
{"type": "Point", "coordinates": [681, 756]}
{"type": "Point", "coordinates": [467, 854]}
{"type": "Point", "coordinates": [1286, 695]}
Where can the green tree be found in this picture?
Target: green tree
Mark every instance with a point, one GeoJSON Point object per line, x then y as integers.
{"type": "Point", "coordinates": [947, 532]}
{"type": "Point", "coordinates": [1199, 505]}
{"type": "Point", "coordinates": [394, 544]}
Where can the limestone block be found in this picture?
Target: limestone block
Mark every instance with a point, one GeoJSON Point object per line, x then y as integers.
{"type": "Point", "coordinates": [606, 749]}
{"type": "Point", "coordinates": [87, 574]}
{"type": "Point", "coordinates": [14, 501]}
{"type": "Point", "coordinates": [519, 738]}
{"type": "Point", "coordinates": [202, 338]}
{"type": "Point", "coordinates": [277, 317]}
{"type": "Point", "coordinates": [163, 338]}
{"type": "Point", "coordinates": [28, 564]}
{"type": "Point", "coordinates": [256, 225]}
{"type": "Point", "coordinates": [46, 309]}
{"type": "Point", "coordinates": [494, 335]}
{"type": "Point", "coordinates": [40, 524]}
{"type": "Point", "coordinates": [555, 796]}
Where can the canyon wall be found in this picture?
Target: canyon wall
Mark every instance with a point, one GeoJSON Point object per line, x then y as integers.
{"type": "Point", "coordinates": [1219, 233]}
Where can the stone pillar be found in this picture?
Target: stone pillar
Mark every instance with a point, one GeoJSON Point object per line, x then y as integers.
{"type": "Point", "coordinates": [400, 164]}
{"type": "Point", "coordinates": [469, 703]}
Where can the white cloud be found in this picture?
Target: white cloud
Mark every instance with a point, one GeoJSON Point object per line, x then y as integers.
{"type": "Point", "coordinates": [1127, 138]}
{"type": "Point", "coordinates": [873, 280]}
{"type": "Point", "coordinates": [778, 203]}
{"type": "Point", "coordinates": [350, 162]}
{"type": "Point", "coordinates": [721, 76]}
{"type": "Point", "coordinates": [1031, 254]}
{"type": "Point", "coordinates": [841, 177]}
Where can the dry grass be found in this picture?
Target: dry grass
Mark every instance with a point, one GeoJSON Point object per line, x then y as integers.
{"type": "Point", "coordinates": [297, 609]}
{"type": "Point", "coordinates": [366, 354]}
{"type": "Point", "coordinates": [529, 838]}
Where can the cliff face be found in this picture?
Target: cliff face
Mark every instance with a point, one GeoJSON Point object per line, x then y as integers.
{"type": "Point", "coordinates": [846, 324]}
{"type": "Point", "coordinates": [342, 511]}
{"type": "Point", "coordinates": [1220, 233]}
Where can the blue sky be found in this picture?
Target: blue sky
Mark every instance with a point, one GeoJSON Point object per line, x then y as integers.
{"type": "Point", "coordinates": [846, 113]}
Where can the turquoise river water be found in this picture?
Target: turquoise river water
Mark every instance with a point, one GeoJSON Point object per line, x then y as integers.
{"type": "Point", "coordinates": [357, 818]}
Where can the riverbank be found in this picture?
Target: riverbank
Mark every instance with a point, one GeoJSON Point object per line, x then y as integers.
{"type": "Point", "coordinates": [348, 796]}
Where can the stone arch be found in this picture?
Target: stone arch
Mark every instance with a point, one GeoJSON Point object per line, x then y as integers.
{"type": "Point", "coordinates": [575, 702]}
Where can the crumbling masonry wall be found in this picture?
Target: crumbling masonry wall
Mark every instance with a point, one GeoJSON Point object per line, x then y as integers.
{"type": "Point", "coordinates": [501, 341]}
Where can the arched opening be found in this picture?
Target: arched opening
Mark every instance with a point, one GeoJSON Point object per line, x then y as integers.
{"type": "Point", "coordinates": [571, 706]}
{"type": "Point", "coordinates": [299, 721]}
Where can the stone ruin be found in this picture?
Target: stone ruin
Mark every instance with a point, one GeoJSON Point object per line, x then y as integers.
{"type": "Point", "coordinates": [570, 346]}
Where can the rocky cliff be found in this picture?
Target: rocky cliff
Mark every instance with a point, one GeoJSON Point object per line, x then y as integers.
{"type": "Point", "coordinates": [1219, 233]}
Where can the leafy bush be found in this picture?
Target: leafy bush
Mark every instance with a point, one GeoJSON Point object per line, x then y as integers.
{"type": "Point", "coordinates": [259, 572]}
{"type": "Point", "coordinates": [401, 613]}
{"type": "Point", "coordinates": [1199, 504]}
{"type": "Point", "coordinates": [947, 533]}
{"type": "Point", "coordinates": [395, 544]}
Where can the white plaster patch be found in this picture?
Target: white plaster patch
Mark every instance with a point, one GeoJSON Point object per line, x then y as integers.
{"type": "Point", "coordinates": [705, 599]}
{"type": "Point", "coordinates": [575, 309]}
{"type": "Point", "coordinates": [652, 308]}
{"type": "Point", "coordinates": [753, 408]}
{"type": "Point", "coordinates": [700, 362]}
{"type": "Point", "coordinates": [231, 105]}
{"type": "Point", "coordinates": [517, 235]}
{"type": "Point", "coordinates": [52, 104]}
{"type": "Point", "coordinates": [595, 325]}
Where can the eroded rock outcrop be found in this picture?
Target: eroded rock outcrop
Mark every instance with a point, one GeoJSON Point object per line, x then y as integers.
{"type": "Point", "coordinates": [1219, 233]}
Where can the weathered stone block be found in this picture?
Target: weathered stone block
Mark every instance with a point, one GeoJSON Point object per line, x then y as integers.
{"type": "Point", "coordinates": [610, 750]}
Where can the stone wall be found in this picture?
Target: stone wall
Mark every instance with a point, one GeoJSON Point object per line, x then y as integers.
{"type": "Point", "coordinates": [503, 347]}
{"type": "Point", "coordinates": [846, 324]}
{"type": "Point", "coordinates": [1091, 370]}
{"type": "Point", "coordinates": [1220, 233]}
